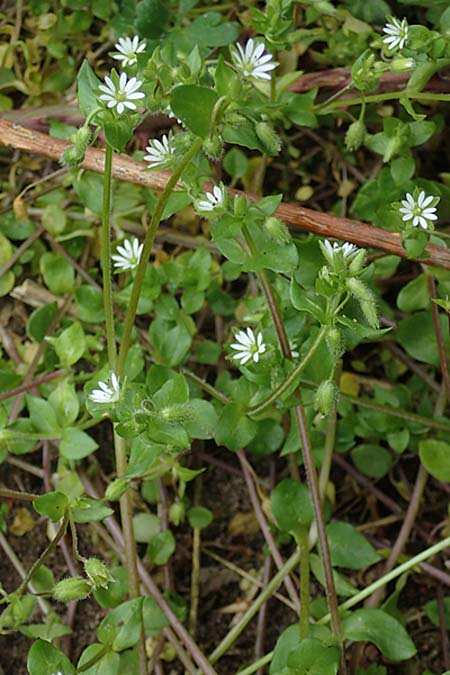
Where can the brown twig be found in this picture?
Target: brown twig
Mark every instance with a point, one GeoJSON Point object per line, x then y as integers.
{"type": "Point", "coordinates": [26, 386]}
{"type": "Point", "coordinates": [21, 249]}
{"type": "Point", "coordinates": [338, 78]}
{"type": "Point", "coordinates": [129, 170]}
{"type": "Point", "coordinates": [366, 483]}
{"type": "Point", "coordinates": [37, 357]}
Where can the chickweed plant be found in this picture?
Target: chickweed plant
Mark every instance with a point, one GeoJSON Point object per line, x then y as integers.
{"type": "Point", "coordinates": [188, 325]}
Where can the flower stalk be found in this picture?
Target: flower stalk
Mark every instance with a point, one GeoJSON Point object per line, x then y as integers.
{"type": "Point", "coordinates": [146, 251]}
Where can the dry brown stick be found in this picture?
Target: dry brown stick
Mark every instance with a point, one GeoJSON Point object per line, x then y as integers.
{"type": "Point", "coordinates": [32, 384]}
{"type": "Point", "coordinates": [18, 252]}
{"type": "Point", "coordinates": [337, 78]}
{"type": "Point", "coordinates": [130, 170]}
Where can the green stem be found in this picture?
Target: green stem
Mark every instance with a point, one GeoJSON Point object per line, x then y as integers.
{"type": "Point", "coordinates": [95, 659]}
{"type": "Point", "coordinates": [106, 260]}
{"type": "Point", "coordinates": [402, 414]}
{"type": "Point", "coordinates": [126, 509]}
{"type": "Point", "coordinates": [378, 98]}
{"type": "Point", "coordinates": [386, 578]}
{"type": "Point", "coordinates": [271, 587]}
{"type": "Point", "coordinates": [307, 452]}
{"type": "Point", "coordinates": [292, 380]}
{"type": "Point", "coordinates": [126, 519]}
{"type": "Point", "coordinates": [44, 555]}
{"type": "Point", "coordinates": [362, 595]}
{"type": "Point", "coordinates": [6, 493]}
{"type": "Point", "coordinates": [303, 543]}
{"type": "Point", "coordinates": [146, 251]}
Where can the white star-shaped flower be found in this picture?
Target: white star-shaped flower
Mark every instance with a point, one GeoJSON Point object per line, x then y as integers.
{"type": "Point", "coordinates": [251, 61]}
{"type": "Point", "coordinates": [248, 346]}
{"type": "Point", "coordinates": [159, 152]}
{"type": "Point", "coordinates": [212, 199]}
{"type": "Point", "coordinates": [128, 49]}
{"type": "Point", "coordinates": [122, 93]}
{"type": "Point", "coordinates": [109, 391]}
{"type": "Point", "coordinates": [397, 34]}
{"type": "Point", "coordinates": [330, 250]}
{"type": "Point", "coordinates": [127, 256]}
{"type": "Point", "coordinates": [419, 211]}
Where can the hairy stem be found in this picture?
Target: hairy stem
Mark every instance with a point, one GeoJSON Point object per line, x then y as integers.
{"type": "Point", "coordinates": [146, 251]}
{"type": "Point", "coordinates": [106, 260]}
{"type": "Point", "coordinates": [45, 554]}
{"type": "Point", "coordinates": [303, 543]}
{"type": "Point", "coordinates": [308, 456]}
{"type": "Point", "coordinates": [126, 508]}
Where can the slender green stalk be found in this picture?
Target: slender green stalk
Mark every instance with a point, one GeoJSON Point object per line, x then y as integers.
{"type": "Point", "coordinates": [6, 493]}
{"type": "Point", "coordinates": [126, 510]}
{"type": "Point", "coordinates": [386, 578]}
{"type": "Point", "coordinates": [95, 659]}
{"type": "Point", "coordinates": [362, 595]}
{"type": "Point", "coordinates": [126, 518]}
{"type": "Point", "coordinates": [10, 554]}
{"type": "Point", "coordinates": [106, 260]}
{"type": "Point", "coordinates": [303, 543]}
{"type": "Point", "coordinates": [292, 380]}
{"type": "Point", "coordinates": [253, 667]}
{"type": "Point", "coordinates": [313, 485]}
{"type": "Point", "coordinates": [400, 412]}
{"type": "Point", "coordinates": [271, 587]}
{"type": "Point", "coordinates": [146, 251]}
{"type": "Point", "coordinates": [307, 452]}
{"type": "Point", "coordinates": [195, 574]}
{"type": "Point", "coordinates": [378, 98]}
{"type": "Point", "coordinates": [44, 555]}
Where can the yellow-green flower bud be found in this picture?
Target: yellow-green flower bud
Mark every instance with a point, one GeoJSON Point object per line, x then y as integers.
{"type": "Point", "coordinates": [176, 513]}
{"type": "Point", "coordinates": [74, 588]}
{"type": "Point", "coordinates": [71, 156]}
{"type": "Point", "coordinates": [326, 395]}
{"type": "Point", "coordinates": [116, 489]}
{"type": "Point", "coordinates": [277, 229]}
{"type": "Point", "coordinates": [369, 310]}
{"type": "Point", "coordinates": [240, 206]}
{"type": "Point", "coordinates": [355, 135]}
{"type": "Point", "coordinates": [213, 147]}
{"type": "Point", "coordinates": [402, 65]}
{"type": "Point", "coordinates": [268, 137]}
{"type": "Point", "coordinates": [359, 289]}
{"type": "Point", "coordinates": [357, 262]}
{"type": "Point", "coordinates": [97, 572]}
{"type": "Point", "coordinates": [334, 342]}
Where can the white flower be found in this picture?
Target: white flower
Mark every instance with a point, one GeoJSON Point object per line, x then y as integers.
{"type": "Point", "coordinates": [419, 211]}
{"type": "Point", "coordinates": [397, 33]}
{"type": "Point", "coordinates": [212, 199]}
{"type": "Point", "coordinates": [121, 94]}
{"type": "Point", "coordinates": [58, 673]}
{"type": "Point", "coordinates": [248, 346]}
{"type": "Point", "coordinates": [128, 255]}
{"type": "Point", "coordinates": [330, 250]}
{"type": "Point", "coordinates": [109, 391]}
{"type": "Point", "coordinates": [159, 152]}
{"type": "Point", "coordinates": [252, 62]}
{"type": "Point", "coordinates": [128, 49]}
